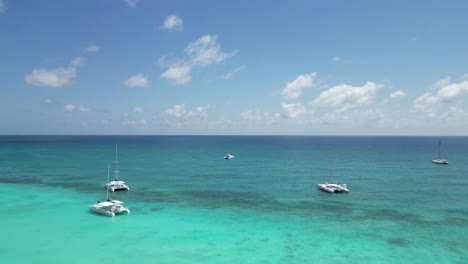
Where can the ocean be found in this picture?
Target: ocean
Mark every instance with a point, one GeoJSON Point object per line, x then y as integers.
{"type": "Point", "coordinates": [189, 205]}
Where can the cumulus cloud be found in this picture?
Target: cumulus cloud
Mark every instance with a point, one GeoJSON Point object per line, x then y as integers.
{"type": "Point", "coordinates": [260, 117]}
{"type": "Point", "coordinates": [465, 76]}
{"type": "Point", "coordinates": [137, 81]}
{"type": "Point", "coordinates": [92, 49]}
{"type": "Point", "coordinates": [55, 78]}
{"type": "Point", "coordinates": [339, 60]}
{"type": "Point", "coordinates": [442, 82]}
{"type": "Point", "coordinates": [397, 94]}
{"type": "Point", "coordinates": [295, 88]}
{"type": "Point", "coordinates": [206, 50]}
{"type": "Point", "coordinates": [69, 108]}
{"type": "Point", "coordinates": [203, 52]}
{"type": "Point", "coordinates": [346, 96]}
{"type": "Point", "coordinates": [131, 3]}
{"type": "Point", "coordinates": [180, 111]}
{"type": "Point", "coordinates": [49, 101]}
{"type": "Point", "coordinates": [447, 93]}
{"type": "Point", "coordinates": [72, 108]}
{"type": "Point", "coordinates": [139, 124]}
{"type": "Point", "coordinates": [231, 74]}
{"type": "Point", "coordinates": [293, 110]}
{"type": "Point", "coordinates": [173, 23]}
{"type": "Point", "coordinates": [178, 73]}
{"type": "Point", "coordinates": [138, 109]}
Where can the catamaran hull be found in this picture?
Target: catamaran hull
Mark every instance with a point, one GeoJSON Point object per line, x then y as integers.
{"type": "Point", "coordinates": [332, 188]}
{"type": "Point", "coordinates": [440, 161]}
{"type": "Point", "coordinates": [114, 189]}
{"type": "Point", "coordinates": [108, 212]}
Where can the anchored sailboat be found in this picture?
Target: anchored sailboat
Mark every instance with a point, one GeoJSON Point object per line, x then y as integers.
{"type": "Point", "coordinates": [109, 207]}
{"type": "Point", "coordinates": [332, 187]}
{"type": "Point", "coordinates": [116, 184]}
{"type": "Point", "coordinates": [439, 160]}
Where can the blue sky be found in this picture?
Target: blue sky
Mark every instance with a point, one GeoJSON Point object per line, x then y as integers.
{"type": "Point", "coordinates": [234, 67]}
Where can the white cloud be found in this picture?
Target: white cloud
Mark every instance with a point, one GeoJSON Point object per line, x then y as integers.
{"type": "Point", "coordinates": [136, 81]}
{"type": "Point", "coordinates": [231, 74]}
{"type": "Point", "coordinates": [366, 118]}
{"type": "Point", "coordinates": [447, 93]}
{"type": "Point", "coordinates": [177, 111]}
{"type": "Point", "coordinates": [72, 108]}
{"type": "Point", "coordinates": [203, 52]}
{"type": "Point", "coordinates": [206, 51]}
{"type": "Point", "coordinates": [295, 88]}
{"type": "Point", "coordinates": [48, 101]}
{"type": "Point", "coordinates": [397, 94]}
{"type": "Point", "coordinates": [293, 110]}
{"type": "Point", "coordinates": [55, 78]}
{"type": "Point", "coordinates": [339, 60]}
{"type": "Point", "coordinates": [442, 82]}
{"type": "Point", "coordinates": [92, 48]}
{"type": "Point", "coordinates": [347, 96]}
{"type": "Point", "coordinates": [3, 7]}
{"type": "Point", "coordinates": [260, 117]}
{"type": "Point", "coordinates": [465, 76]}
{"type": "Point", "coordinates": [131, 3]}
{"type": "Point", "coordinates": [173, 22]}
{"type": "Point", "coordinates": [180, 111]}
{"type": "Point", "coordinates": [138, 109]}
{"type": "Point", "coordinates": [139, 124]}
{"type": "Point", "coordinates": [69, 108]}
{"type": "Point", "coordinates": [178, 73]}
{"type": "Point", "coordinates": [83, 109]}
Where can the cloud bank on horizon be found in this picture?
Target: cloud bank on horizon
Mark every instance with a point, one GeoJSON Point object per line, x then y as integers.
{"type": "Point", "coordinates": [162, 68]}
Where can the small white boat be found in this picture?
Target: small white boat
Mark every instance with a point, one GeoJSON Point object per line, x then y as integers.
{"type": "Point", "coordinates": [116, 184]}
{"type": "Point", "coordinates": [439, 160]}
{"type": "Point", "coordinates": [332, 187]}
{"type": "Point", "coordinates": [229, 156]}
{"type": "Point", "coordinates": [109, 207]}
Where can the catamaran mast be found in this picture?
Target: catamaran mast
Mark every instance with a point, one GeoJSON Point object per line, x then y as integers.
{"type": "Point", "coordinates": [107, 187]}
{"type": "Point", "coordinates": [439, 146]}
{"type": "Point", "coordinates": [116, 170]}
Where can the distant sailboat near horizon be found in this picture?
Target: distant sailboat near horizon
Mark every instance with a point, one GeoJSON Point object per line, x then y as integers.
{"type": "Point", "coordinates": [439, 160]}
{"type": "Point", "coordinates": [332, 187]}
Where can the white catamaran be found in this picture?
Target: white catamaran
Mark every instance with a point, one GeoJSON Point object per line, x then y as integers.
{"type": "Point", "coordinates": [332, 187]}
{"type": "Point", "coordinates": [109, 207]}
{"type": "Point", "coordinates": [439, 160]}
{"type": "Point", "coordinates": [116, 184]}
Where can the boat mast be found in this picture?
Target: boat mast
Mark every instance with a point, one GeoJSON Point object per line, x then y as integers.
{"type": "Point", "coordinates": [116, 170]}
{"type": "Point", "coordinates": [330, 167]}
{"type": "Point", "coordinates": [107, 187]}
{"type": "Point", "coordinates": [440, 142]}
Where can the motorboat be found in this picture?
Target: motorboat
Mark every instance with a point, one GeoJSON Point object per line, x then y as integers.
{"type": "Point", "coordinates": [109, 207]}
{"type": "Point", "coordinates": [229, 156]}
{"type": "Point", "coordinates": [333, 187]}
{"type": "Point", "coordinates": [116, 184]}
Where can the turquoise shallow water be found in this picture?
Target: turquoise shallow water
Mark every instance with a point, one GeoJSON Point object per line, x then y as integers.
{"type": "Point", "coordinates": [189, 205]}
